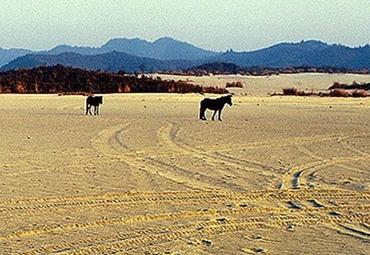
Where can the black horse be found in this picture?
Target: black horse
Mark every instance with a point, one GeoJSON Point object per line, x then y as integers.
{"type": "Point", "coordinates": [214, 104]}
{"type": "Point", "coordinates": [95, 101]}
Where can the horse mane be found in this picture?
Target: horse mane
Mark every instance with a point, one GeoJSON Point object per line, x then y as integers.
{"type": "Point", "coordinates": [225, 97]}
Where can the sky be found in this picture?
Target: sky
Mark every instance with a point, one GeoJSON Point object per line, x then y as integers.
{"type": "Point", "coordinates": [211, 24]}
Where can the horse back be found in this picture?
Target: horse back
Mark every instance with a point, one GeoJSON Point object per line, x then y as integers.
{"type": "Point", "coordinates": [91, 100]}
{"type": "Point", "coordinates": [209, 103]}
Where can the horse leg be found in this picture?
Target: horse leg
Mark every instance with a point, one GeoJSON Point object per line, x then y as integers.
{"type": "Point", "coordinates": [88, 106]}
{"type": "Point", "coordinates": [214, 115]}
{"type": "Point", "coordinates": [202, 115]}
{"type": "Point", "coordinates": [219, 115]}
{"type": "Point", "coordinates": [97, 110]}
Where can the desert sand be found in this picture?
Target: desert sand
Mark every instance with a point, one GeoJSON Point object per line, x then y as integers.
{"type": "Point", "coordinates": [279, 175]}
{"type": "Point", "coordinates": [265, 85]}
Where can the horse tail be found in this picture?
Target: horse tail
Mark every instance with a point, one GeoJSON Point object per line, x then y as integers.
{"type": "Point", "coordinates": [87, 106]}
{"type": "Point", "coordinates": [202, 110]}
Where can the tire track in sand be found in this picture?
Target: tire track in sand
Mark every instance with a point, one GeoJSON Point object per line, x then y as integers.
{"type": "Point", "coordinates": [351, 196]}
{"type": "Point", "coordinates": [137, 199]}
{"type": "Point", "coordinates": [169, 136]}
{"type": "Point", "coordinates": [107, 143]}
{"type": "Point", "coordinates": [274, 218]}
{"type": "Point", "coordinates": [294, 178]}
{"type": "Point", "coordinates": [280, 142]}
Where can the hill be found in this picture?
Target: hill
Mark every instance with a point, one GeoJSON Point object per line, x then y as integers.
{"type": "Point", "coordinates": [7, 55]}
{"type": "Point", "coordinates": [167, 54]}
{"type": "Point", "coordinates": [164, 48]}
{"type": "Point", "coordinates": [112, 62]}
{"type": "Point", "coordinates": [305, 53]}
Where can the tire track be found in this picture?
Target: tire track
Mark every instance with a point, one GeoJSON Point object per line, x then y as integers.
{"type": "Point", "coordinates": [171, 216]}
{"type": "Point", "coordinates": [351, 148]}
{"type": "Point", "coordinates": [154, 236]}
{"type": "Point", "coordinates": [169, 136]}
{"type": "Point", "coordinates": [294, 178]}
{"type": "Point", "coordinates": [280, 142]}
{"type": "Point", "coordinates": [118, 201]}
{"type": "Point", "coordinates": [180, 198]}
{"type": "Point", "coordinates": [113, 149]}
{"type": "Point", "coordinates": [353, 231]}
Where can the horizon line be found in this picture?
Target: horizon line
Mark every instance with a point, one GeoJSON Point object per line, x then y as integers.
{"type": "Point", "coordinates": [184, 41]}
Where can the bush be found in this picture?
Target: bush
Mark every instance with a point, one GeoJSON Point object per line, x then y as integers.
{"type": "Point", "coordinates": [290, 92]}
{"type": "Point", "coordinates": [338, 93]}
{"type": "Point", "coordinates": [74, 81]}
{"type": "Point", "coordinates": [360, 93]}
{"type": "Point", "coordinates": [354, 85]}
{"type": "Point", "coordinates": [234, 84]}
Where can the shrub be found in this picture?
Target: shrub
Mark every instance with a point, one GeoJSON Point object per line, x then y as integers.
{"type": "Point", "coordinates": [360, 93]}
{"type": "Point", "coordinates": [354, 85]}
{"type": "Point", "coordinates": [338, 93]}
{"type": "Point", "coordinates": [234, 84]}
{"type": "Point", "coordinates": [290, 92]}
{"type": "Point", "coordinates": [66, 81]}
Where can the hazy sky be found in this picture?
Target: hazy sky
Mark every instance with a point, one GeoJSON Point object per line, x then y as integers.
{"type": "Point", "coordinates": [213, 24]}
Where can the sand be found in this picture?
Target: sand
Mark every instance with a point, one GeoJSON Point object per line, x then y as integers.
{"type": "Point", "coordinates": [280, 175]}
{"type": "Point", "coordinates": [265, 85]}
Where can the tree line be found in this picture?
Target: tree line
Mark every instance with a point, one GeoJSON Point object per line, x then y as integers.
{"type": "Point", "coordinates": [68, 80]}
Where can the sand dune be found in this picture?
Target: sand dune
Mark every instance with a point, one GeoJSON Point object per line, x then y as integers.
{"type": "Point", "coordinates": [277, 176]}
{"type": "Point", "coordinates": [264, 85]}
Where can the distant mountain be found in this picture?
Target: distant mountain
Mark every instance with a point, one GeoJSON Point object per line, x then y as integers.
{"type": "Point", "coordinates": [305, 53]}
{"type": "Point", "coordinates": [10, 54]}
{"type": "Point", "coordinates": [72, 49]}
{"type": "Point", "coordinates": [113, 62]}
{"type": "Point", "coordinates": [166, 54]}
{"type": "Point", "coordinates": [165, 48]}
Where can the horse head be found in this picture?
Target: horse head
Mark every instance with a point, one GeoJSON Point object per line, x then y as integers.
{"type": "Point", "coordinates": [228, 100]}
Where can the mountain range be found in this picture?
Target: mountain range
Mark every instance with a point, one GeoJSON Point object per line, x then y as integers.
{"type": "Point", "coordinates": [168, 54]}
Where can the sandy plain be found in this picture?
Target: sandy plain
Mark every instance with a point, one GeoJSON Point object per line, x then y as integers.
{"type": "Point", "coordinates": [280, 175]}
{"type": "Point", "coordinates": [265, 85]}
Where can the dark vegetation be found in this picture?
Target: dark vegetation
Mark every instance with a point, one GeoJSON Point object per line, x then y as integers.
{"type": "Point", "coordinates": [218, 68]}
{"type": "Point", "coordinates": [337, 90]}
{"type": "Point", "coordinates": [354, 85]}
{"type": "Point", "coordinates": [345, 93]}
{"type": "Point", "coordinates": [234, 84]}
{"type": "Point", "coordinates": [213, 68]}
{"type": "Point", "coordinates": [67, 80]}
